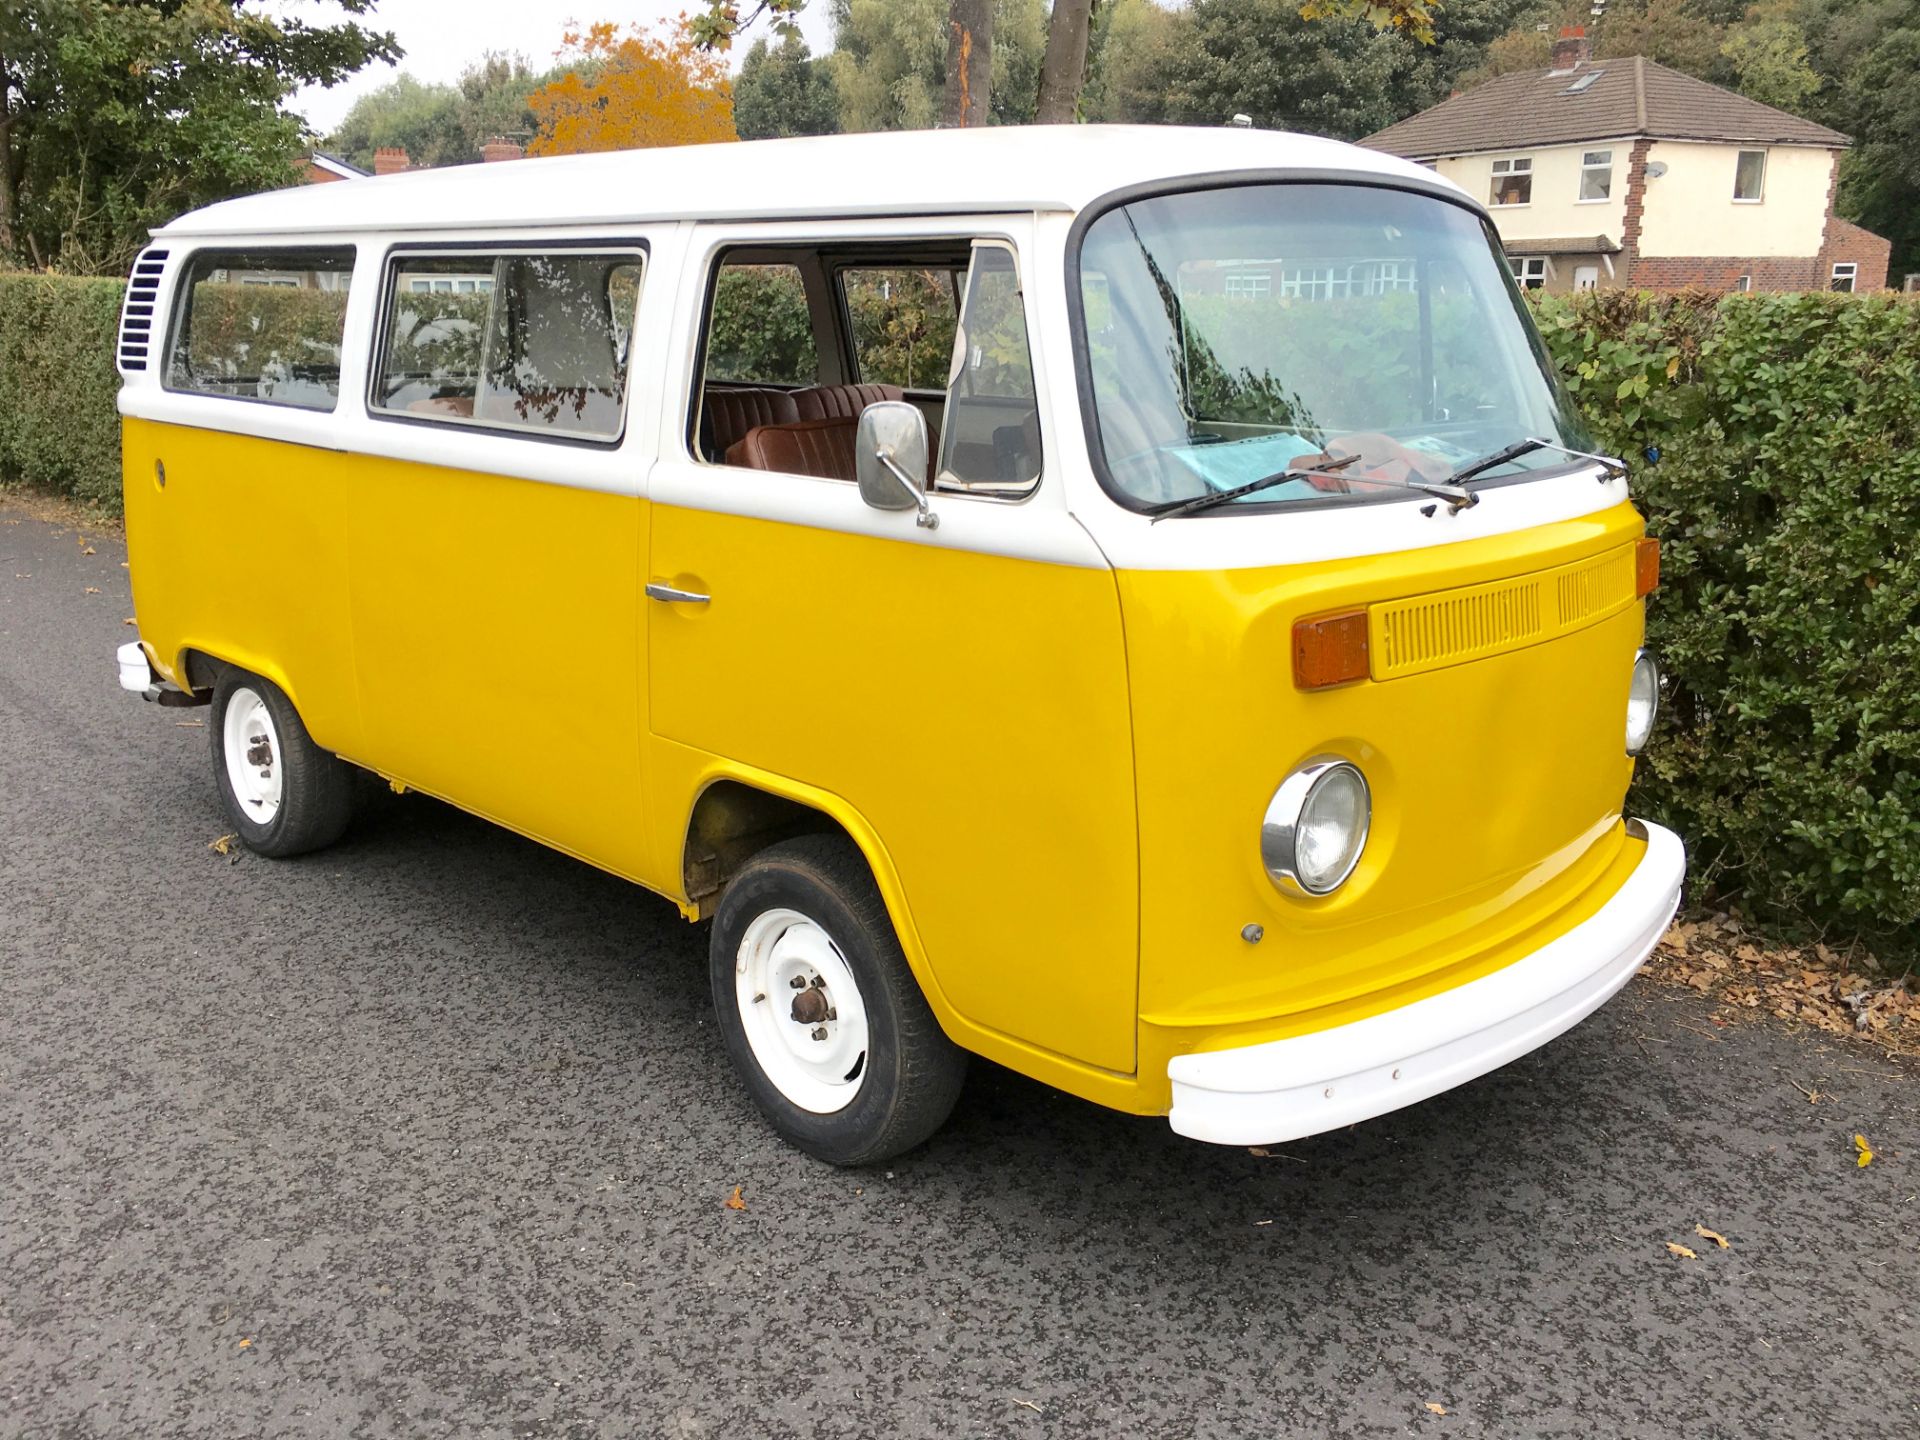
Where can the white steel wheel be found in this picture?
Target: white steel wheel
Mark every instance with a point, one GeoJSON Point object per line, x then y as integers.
{"type": "Point", "coordinates": [802, 1011]}
{"type": "Point", "coordinates": [251, 746]}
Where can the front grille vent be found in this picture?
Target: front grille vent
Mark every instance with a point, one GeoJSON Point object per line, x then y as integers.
{"type": "Point", "coordinates": [138, 333]}
{"type": "Point", "coordinates": [1452, 627]}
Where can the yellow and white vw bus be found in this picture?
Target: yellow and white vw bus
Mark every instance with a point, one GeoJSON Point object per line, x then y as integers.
{"type": "Point", "coordinates": [1131, 604]}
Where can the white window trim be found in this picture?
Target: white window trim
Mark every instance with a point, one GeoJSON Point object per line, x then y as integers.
{"type": "Point", "coordinates": [1516, 165]}
{"type": "Point", "coordinates": [1759, 199]}
{"type": "Point", "coordinates": [1852, 277]}
{"type": "Point", "coordinates": [1580, 184]}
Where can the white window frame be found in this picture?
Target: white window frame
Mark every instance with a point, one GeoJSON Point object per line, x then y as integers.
{"type": "Point", "coordinates": [1590, 166]}
{"type": "Point", "coordinates": [1848, 270]}
{"type": "Point", "coordinates": [1507, 168]}
{"type": "Point", "coordinates": [1247, 284]}
{"type": "Point", "coordinates": [1761, 195]}
{"type": "Point", "coordinates": [1528, 268]}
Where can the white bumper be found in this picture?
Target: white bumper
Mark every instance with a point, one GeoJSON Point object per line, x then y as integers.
{"type": "Point", "coordinates": [135, 674]}
{"type": "Point", "coordinates": [1284, 1089]}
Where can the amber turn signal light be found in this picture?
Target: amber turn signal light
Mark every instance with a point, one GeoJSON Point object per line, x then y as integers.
{"type": "Point", "coordinates": [1330, 650]}
{"type": "Point", "coordinates": [1646, 567]}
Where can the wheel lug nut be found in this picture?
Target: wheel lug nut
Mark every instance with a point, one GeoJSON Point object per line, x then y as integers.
{"type": "Point", "coordinates": [799, 982]}
{"type": "Point", "coordinates": [820, 1032]}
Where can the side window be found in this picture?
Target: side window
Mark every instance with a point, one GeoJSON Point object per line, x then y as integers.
{"type": "Point", "coordinates": [901, 323]}
{"type": "Point", "coordinates": [263, 325]}
{"type": "Point", "coordinates": [760, 332]}
{"type": "Point", "coordinates": [990, 439]}
{"type": "Point", "coordinates": [533, 342]}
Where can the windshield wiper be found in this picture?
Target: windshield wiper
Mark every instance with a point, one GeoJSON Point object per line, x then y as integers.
{"type": "Point", "coordinates": [1616, 468]}
{"type": "Point", "coordinates": [1196, 503]}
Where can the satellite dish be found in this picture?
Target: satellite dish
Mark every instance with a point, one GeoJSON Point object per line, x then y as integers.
{"type": "Point", "coordinates": [1655, 169]}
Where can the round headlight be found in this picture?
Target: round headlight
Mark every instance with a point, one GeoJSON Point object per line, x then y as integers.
{"type": "Point", "coordinates": [1643, 701]}
{"type": "Point", "coordinates": [1316, 826]}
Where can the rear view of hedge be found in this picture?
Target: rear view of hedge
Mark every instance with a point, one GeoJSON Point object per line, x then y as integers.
{"type": "Point", "coordinates": [1786, 495]}
{"type": "Point", "coordinates": [58, 427]}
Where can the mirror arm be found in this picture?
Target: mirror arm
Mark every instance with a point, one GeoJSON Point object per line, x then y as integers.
{"type": "Point", "coordinates": [923, 513]}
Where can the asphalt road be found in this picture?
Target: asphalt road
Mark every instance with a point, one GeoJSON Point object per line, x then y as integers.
{"type": "Point", "coordinates": [430, 1135]}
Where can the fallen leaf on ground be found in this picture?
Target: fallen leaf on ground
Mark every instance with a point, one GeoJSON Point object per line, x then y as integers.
{"type": "Point", "coordinates": [1259, 1150]}
{"type": "Point", "coordinates": [129, 621]}
{"type": "Point", "coordinates": [1682, 1251]}
{"type": "Point", "coordinates": [1436, 1407]}
{"type": "Point", "coordinates": [86, 549]}
{"type": "Point", "coordinates": [246, 1344]}
{"type": "Point", "coordinates": [93, 589]}
{"type": "Point", "coordinates": [1866, 1151]}
{"type": "Point", "coordinates": [736, 1201]}
{"type": "Point", "coordinates": [1029, 1405]}
{"type": "Point", "coordinates": [224, 846]}
{"type": "Point", "coordinates": [1713, 1235]}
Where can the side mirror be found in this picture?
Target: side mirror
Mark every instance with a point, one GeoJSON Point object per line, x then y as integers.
{"type": "Point", "coordinates": [890, 459]}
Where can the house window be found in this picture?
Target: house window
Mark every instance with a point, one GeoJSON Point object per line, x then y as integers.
{"type": "Point", "coordinates": [1745, 282]}
{"type": "Point", "coordinates": [1512, 181]}
{"type": "Point", "coordinates": [1749, 175]}
{"type": "Point", "coordinates": [1249, 284]}
{"type": "Point", "coordinates": [1844, 275]}
{"type": "Point", "coordinates": [1529, 270]}
{"type": "Point", "coordinates": [1596, 174]}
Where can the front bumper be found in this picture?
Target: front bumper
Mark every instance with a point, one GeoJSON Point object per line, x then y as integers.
{"type": "Point", "coordinates": [136, 675]}
{"type": "Point", "coordinates": [1284, 1089]}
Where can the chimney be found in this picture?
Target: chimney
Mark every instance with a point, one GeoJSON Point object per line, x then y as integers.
{"type": "Point", "coordinates": [1571, 50]}
{"type": "Point", "coordinates": [500, 148]}
{"type": "Point", "coordinates": [390, 160]}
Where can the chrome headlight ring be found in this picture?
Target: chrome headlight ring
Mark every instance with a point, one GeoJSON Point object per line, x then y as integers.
{"type": "Point", "coordinates": [1316, 826]}
{"type": "Point", "coordinates": [1643, 701]}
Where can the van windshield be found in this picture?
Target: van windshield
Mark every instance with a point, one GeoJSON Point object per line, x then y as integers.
{"type": "Point", "coordinates": [1236, 332]}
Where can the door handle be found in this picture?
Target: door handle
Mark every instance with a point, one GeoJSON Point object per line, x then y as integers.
{"type": "Point", "coordinates": [656, 591]}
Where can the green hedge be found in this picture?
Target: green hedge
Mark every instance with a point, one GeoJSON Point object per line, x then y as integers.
{"type": "Point", "coordinates": [1786, 495]}
{"type": "Point", "coordinates": [58, 426]}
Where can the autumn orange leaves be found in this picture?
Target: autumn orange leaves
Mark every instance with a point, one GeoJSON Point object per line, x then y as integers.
{"type": "Point", "coordinates": [632, 91]}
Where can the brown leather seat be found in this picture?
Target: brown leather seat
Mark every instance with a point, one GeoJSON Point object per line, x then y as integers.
{"type": "Point", "coordinates": [841, 402]}
{"type": "Point", "coordinates": [728, 415]}
{"type": "Point", "coordinates": [822, 448]}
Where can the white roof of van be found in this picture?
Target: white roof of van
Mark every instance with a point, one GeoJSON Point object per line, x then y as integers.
{"type": "Point", "coordinates": [924, 172]}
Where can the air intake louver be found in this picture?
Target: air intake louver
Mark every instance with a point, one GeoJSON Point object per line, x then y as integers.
{"type": "Point", "coordinates": [137, 332]}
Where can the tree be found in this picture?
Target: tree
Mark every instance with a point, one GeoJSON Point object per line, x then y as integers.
{"type": "Point", "coordinates": [1063, 73]}
{"type": "Point", "coordinates": [632, 92]}
{"type": "Point", "coordinates": [1769, 58]}
{"type": "Point", "coordinates": [422, 119]}
{"type": "Point", "coordinates": [1867, 53]}
{"type": "Point", "coordinates": [890, 62]}
{"type": "Point", "coordinates": [115, 118]}
{"type": "Point", "coordinates": [1673, 32]}
{"type": "Point", "coordinates": [782, 90]}
{"type": "Point", "coordinates": [969, 64]}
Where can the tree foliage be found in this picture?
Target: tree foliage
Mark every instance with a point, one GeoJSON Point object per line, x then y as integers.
{"type": "Point", "coordinates": [631, 91]}
{"type": "Point", "coordinates": [890, 62]}
{"type": "Point", "coordinates": [783, 90]}
{"type": "Point", "coordinates": [116, 117]}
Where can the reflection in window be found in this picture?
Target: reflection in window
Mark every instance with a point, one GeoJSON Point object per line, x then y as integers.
{"type": "Point", "coordinates": [1596, 174]}
{"type": "Point", "coordinates": [760, 332]}
{"type": "Point", "coordinates": [902, 325]}
{"type": "Point", "coordinates": [990, 437]}
{"type": "Point", "coordinates": [535, 342]}
{"type": "Point", "coordinates": [263, 325]}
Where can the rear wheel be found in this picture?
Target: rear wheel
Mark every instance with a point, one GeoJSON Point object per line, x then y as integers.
{"type": "Point", "coordinates": [820, 1012]}
{"type": "Point", "coordinates": [283, 793]}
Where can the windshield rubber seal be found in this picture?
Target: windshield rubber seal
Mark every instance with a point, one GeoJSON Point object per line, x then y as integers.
{"type": "Point", "coordinates": [1227, 180]}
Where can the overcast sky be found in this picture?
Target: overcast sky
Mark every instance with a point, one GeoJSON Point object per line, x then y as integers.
{"type": "Point", "coordinates": [443, 37]}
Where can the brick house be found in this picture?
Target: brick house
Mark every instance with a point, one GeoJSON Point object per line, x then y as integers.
{"type": "Point", "coordinates": [321, 168]}
{"type": "Point", "coordinates": [1623, 172]}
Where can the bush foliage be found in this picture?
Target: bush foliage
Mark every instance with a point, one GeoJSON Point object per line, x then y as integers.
{"type": "Point", "coordinates": [58, 425]}
{"type": "Point", "coordinates": [1776, 449]}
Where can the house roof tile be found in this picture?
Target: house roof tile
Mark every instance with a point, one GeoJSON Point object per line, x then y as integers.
{"type": "Point", "coordinates": [1624, 97]}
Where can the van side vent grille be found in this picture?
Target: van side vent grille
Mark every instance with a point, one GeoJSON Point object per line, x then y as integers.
{"type": "Point", "coordinates": [137, 319]}
{"type": "Point", "coordinates": [1451, 627]}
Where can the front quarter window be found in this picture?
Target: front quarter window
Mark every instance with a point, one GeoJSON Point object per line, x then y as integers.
{"type": "Point", "coordinates": [1235, 332]}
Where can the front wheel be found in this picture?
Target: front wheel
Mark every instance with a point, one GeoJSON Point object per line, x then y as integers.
{"type": "Point", "coordinates": [284, 794]}
{"type": "Point", "coordinates": [821, 1015]}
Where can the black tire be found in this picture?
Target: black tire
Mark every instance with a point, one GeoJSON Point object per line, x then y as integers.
{"type": "Point", "coordinates": [912, 1072]}
{"type": "Point", "coordinates": [316, 787]}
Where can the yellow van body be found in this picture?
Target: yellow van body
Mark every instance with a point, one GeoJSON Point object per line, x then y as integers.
{"type": "Point", "coordinates": [1027, 741]}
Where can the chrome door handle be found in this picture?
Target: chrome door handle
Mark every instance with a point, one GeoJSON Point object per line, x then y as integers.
{"type": "Point", "coordinates": [672, 596]}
